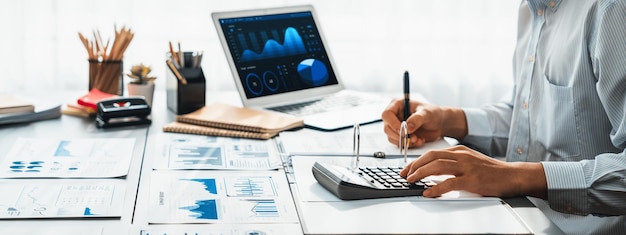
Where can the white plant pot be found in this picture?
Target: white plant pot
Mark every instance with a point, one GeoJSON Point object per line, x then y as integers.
{"type": "Point", "coordinates": [144, 90]}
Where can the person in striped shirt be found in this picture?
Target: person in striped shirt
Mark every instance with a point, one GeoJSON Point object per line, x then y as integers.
{"type": "Point", "coordinates": [562, 130]}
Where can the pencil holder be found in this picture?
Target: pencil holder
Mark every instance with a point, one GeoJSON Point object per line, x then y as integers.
{"type": "Point", "coordinates": [187, 94]}
{"type": "Point", "coordinates": [107, 76]}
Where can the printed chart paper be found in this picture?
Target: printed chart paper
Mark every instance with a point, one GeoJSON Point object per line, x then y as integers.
{"type": "Point", "coordinates": [62, 199]}
{"type": "Point", "coordinates": [220, 197]}
{"type": "Point", "coordinates": [226, 229]}
{"type": "Point", "coordinates": [68, 158]}
{"type": "Point", "coordinates": [210, 152]}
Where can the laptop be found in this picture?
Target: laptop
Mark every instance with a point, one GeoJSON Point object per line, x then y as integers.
{"type": "Point", "coordinates": [280, 61]}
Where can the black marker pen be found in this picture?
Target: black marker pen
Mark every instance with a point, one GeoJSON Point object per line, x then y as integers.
{"type": "Point", "coordinates": [407, 98]}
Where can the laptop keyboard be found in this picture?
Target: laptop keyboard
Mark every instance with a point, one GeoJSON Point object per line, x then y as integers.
{"type": "Point", "coordinates": [329, 103]}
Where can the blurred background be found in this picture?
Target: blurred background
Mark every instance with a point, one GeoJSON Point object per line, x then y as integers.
{"type": "Point", "coordinates": [458, 52]}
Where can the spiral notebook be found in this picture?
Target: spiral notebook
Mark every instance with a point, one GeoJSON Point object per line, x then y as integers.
{"type": "Point", "coordinates": [219, 119]}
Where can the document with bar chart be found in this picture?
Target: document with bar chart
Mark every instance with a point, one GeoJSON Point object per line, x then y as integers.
{"type": "Point", "coordinates": [220, 197]}
{"type": "Point", "coordinates": [211, 152]}
{"type": "Point", "coordinates": [68, 158]}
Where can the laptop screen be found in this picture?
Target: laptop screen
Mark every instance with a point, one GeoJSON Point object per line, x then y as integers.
{"type": "Point", "coordinates": [277, 53]}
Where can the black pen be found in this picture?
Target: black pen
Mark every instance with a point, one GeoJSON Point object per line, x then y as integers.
{"type": "Point", "coordinates": [407, 98]}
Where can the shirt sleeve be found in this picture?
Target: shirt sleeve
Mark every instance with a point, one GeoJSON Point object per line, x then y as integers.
{"type": "Point", "coordinates": [598, 186]}
{"type": "Point", "coordinates": [488, 128]}
{"type": "Point", "coordinates": [591, 187]}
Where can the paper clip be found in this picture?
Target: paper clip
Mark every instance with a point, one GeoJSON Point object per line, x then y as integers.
{"type": "Point", "coordinates": [404, 140]}
{"type": "Point", "coordinates": [356, 141]}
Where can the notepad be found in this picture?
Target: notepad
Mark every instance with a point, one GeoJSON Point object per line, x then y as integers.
{"type": "Point", "coordinates": [93, 97]}
{"type": "Point", "coordinates": [221, 119]}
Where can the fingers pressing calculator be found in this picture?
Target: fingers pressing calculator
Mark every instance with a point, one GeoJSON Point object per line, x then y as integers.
{"type": "Point", "coordinates": [366, 182]}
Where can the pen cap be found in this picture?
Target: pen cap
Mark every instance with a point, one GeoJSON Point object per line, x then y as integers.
{"type": "Point", "coordinates": [406, 82]}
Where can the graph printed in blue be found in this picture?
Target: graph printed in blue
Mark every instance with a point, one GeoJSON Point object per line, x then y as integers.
{"type": "Point", "coordinates": [292, 45]}
{"type": "Point", "coordinates": [203, 209]}
{"type": "Point", "coordinates": [64, 149]}
{"type": "Point", "coordinates": [262, 186]}
{"type": "Point", "coordinates": [88, 212]}
{"type": "Point", "coordinates": [209, 184]}
{"type": "Point", "coordinates": [264, 207]}
{"type": "Point", "coordinates": [196, 155]}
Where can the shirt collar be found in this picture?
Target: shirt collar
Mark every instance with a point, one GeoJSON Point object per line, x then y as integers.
{"type": "Point", "coordinates": [545, 4]}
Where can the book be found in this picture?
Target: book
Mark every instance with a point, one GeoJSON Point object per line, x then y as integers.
{"type": "Point", "coordinates": [93, 97]}
{"type": "Point", "coordinates": [227, 120]}
{"type": "Point", "coordinates": [10, 104]}
{"type": "Point", "coordinates": [75, 109]}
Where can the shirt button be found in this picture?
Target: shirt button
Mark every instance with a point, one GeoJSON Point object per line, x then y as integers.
{"type": "Point", "coordinates": [531, 58]}
{"type": "Point", "coordinates": [524, 105]}
{"type": "Point", "coordinates": [540, 12]}
{"type": "Point", "coordinates": [519, 150]}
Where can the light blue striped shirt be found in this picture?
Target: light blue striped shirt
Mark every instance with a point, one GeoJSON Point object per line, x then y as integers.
{"type": "Point", "coordinates": [567, 110]}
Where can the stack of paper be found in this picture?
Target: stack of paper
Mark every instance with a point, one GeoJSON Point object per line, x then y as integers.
{"type": "Point", "coordinates": [75, 178]}
{"type": "Point", "coordinates": [16, 110]}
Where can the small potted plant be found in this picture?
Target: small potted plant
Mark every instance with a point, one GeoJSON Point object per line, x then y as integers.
{"type": "Point", "coordinates": [141, 83]}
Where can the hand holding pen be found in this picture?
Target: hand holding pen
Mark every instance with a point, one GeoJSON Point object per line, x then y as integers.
{"type": "Point", "coordinates": [424, 122]}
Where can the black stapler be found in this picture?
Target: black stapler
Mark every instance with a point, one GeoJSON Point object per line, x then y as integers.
{"type": "Point", "coordinates": [123, 111]}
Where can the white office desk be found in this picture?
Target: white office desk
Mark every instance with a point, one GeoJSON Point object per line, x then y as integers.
{"type": "Point", "coordinates": [322, 213]}
{"type": "Point", "coordinates": [134, 218]}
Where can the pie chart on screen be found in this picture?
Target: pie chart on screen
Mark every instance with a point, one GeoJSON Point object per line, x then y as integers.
{"type": "Point", "coordinates": [313, 72]}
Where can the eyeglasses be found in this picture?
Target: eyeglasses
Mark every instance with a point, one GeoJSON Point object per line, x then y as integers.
{"type": "Point", "coordinates": [404, 139]}
{"type": "Point", "coordinates": [403, 142]}
{"type": "Point", "coordinates": [356, 142]}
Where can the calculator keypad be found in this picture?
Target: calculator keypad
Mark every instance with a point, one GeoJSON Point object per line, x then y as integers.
{"type": "Point", "coordinates": [389, 177]}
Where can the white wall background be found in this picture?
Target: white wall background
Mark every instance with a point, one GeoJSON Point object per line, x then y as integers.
{"type": "Point", "coordinates": [458, 51]}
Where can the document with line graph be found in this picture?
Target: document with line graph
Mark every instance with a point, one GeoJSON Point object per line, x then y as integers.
{"type": "Point", "coordinates": [220, 197]}
{"type": "Point", "coordinates": [58, 198]}
{"type": "Point", "coordinates": [185, 152]}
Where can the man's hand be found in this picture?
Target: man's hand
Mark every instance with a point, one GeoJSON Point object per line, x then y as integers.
{"type": "Point", "coordinates": [426, 123]}
{"type": "Point", "coordinates": [477, 173]}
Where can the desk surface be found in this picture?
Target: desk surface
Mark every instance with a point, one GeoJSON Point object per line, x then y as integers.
{"type": "Point", "coordinates": [134, 217]}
